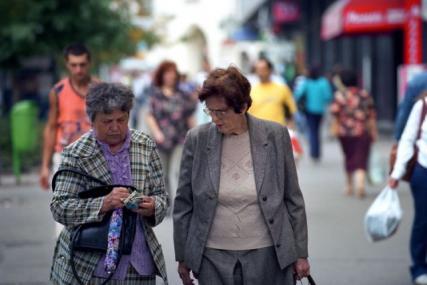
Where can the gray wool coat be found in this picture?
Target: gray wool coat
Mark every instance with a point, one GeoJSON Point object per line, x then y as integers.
{"type": "Point", "coordinates": [279, 195]}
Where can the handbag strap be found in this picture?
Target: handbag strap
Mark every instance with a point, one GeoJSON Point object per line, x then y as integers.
{"type": "Point", "coordinates": [75, 171]}
{"type": "Point", "coordinates": [310, 280]}
{"type": "Point", "coordinates": [422, 118]}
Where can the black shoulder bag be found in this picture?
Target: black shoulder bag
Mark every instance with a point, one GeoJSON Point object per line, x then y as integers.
{"type": "Point", "coordinates": [94, 236]}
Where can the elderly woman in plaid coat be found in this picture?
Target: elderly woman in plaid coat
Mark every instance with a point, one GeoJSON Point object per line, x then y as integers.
{"type": "Point", "coordinates": [114, 154]}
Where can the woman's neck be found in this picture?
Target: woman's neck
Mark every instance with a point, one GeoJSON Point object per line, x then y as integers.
{"type": "Point", "coordinates": [242, 126]}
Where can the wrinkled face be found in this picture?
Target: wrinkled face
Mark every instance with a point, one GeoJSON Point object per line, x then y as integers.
{"type": "Point", "coordinates": [78, 66]}
{"type": "Point", "coordinates": [224, 117]}
{"type": "Point", "coordinates": [111, 128]}
{"type": "Point", "coordinates": [262, 70]}
{"type": "Point", "coordinates": [169, 78]}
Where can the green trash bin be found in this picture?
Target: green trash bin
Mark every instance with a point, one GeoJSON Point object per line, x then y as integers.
{"type": "Point", "coordinates": [23, 126]}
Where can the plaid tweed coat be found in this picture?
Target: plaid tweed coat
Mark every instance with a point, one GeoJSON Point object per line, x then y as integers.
{"type": "Point", "coordinates": [67, 209]}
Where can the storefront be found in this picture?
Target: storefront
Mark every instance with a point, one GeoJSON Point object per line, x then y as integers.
{"type": "Point", "coordinates": [375, 38]}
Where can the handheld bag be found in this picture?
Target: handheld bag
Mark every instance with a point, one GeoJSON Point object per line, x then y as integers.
{"type": "Point", "coordinates": [383, 216]}
{"type": "Point", "coordinates": [94, 236]}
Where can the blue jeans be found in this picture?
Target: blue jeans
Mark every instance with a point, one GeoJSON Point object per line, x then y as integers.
{"type": "Point", "coordinates": [313, 122]}
{"type": "Point", "coordinates": [418, 243]}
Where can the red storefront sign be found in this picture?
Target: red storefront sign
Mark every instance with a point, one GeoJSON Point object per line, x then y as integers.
{"type": "Point", "coordinates": [346, 17]}
{"type": "Point", "coordinates": [361, 16]}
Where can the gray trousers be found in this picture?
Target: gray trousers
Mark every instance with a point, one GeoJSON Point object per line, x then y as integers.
{"type": "Point", "coordinates": [243, 267]}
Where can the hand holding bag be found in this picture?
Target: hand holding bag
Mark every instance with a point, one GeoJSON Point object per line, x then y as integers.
{"type": "Point", "coordinates": [94, 236]}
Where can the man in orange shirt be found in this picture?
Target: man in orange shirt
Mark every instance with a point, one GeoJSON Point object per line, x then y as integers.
{"type": "Point", "coordinates": [67, 119]}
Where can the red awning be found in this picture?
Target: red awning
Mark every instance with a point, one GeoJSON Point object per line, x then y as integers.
{"type": "Point", "coordinates": [361, 16]}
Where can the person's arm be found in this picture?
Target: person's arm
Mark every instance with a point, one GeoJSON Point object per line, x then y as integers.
{"type": "Point", "coordinates": [294, 199]}
{"type": "Point", "coordinates": [296, 210]}
{"type": "Point", "coordinates": [289, 102]}
{"type": "Point", "coordinates": [405, 149]}
{"type": "Point", "coordinates": [300, 88]}
{"type": "Point", "coordinates": [49, 137]}
{"type": "Point", "coordinates": [183, 209]}
{"type": "Point", "coordinates": [154, 128]}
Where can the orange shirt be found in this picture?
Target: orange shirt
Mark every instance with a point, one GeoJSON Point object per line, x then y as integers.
{"type": "Point", "coordinates": [72, 120]}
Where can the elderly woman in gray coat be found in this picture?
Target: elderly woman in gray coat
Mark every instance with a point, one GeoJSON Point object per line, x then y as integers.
{"type": "Point", "coordinates": [116, 155]}
{"type": "Point", "coordinates": [239, 215]}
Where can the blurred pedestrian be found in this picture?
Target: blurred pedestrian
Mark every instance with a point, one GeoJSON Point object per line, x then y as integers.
{"type": "Point", "coordinates": [356, 129]}
{"type": "Point", "coordinates": [239, 214]}
{"type": "Point", "coordinates": [67, 119]}
{"type": "Point", "coordinates": [201, 116]}
{"type": "Point", "coordinates": [313, 95]}
{"type": "Point", "coordinates": [142, 87]}
{"type": "Point", "coordinates": [270, 100]}
{"type": "Point", "coordinates": [169, 118]}
{"type": "Point", "coordinates": [415, 88]}
{"type": "Point", "coordinates": [114, 154]}
{"type": "Point", "coordinates": [414, 137]}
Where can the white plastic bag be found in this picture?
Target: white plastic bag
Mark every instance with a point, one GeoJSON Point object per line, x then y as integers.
{"type": "Point", "coordinates": [383, 216]}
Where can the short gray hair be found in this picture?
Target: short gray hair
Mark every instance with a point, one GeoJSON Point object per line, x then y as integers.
{"type": "Point", "coordinates": [107, 97]}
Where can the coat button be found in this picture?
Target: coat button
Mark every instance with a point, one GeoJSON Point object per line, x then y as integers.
{"type": "Point", "coordinates": [271, 221]}
{"type": "Point", "coordinates": [278, 245]}
{"type": "Point", "coordinates": [211, 197]}
{"type": "Point", "coordinates": [264, 198]}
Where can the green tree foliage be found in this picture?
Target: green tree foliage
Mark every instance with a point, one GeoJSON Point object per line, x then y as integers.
{"type": "Point", "coordinates": [44, 27]}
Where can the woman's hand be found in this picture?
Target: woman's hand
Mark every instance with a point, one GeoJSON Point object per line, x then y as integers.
{"type": "Point", "coordinates": [393, 183]}
{"type": "Point", "coordinates": [115, 199]}
{"type": "Point", "coordinates": [301, 268]}
{"type": "Point", "coordinates": [184, 274]}
{"type": "Point", "coordinates": [159, 136]}
{"type": "Point", "coordinates": [147, 206]}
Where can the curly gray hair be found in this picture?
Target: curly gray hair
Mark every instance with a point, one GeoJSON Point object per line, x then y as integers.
{"type": "Point", "coordinates": [107, 97]}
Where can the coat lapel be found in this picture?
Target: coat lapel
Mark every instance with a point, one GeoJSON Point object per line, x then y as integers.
{"type": "Point", "coordinates": [214, 148]}
{"type": "Point", "coordinates": [259, 149]}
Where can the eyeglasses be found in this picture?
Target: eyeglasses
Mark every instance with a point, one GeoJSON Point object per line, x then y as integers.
{"type": "Point", "coordinates": [217, 113]}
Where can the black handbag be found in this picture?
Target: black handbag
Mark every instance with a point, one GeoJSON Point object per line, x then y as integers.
{"type": "Point", "coordinates": [94, 236]}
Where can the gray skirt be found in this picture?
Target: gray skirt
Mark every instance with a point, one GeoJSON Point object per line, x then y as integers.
{"type": "Point", "coordinates": [238, 267]}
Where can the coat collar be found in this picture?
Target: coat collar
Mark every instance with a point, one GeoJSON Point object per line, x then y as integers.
{"type": "Point", "coordinates": [93, 161]}
{"type": "Point", "coordinates": [258, 142]}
